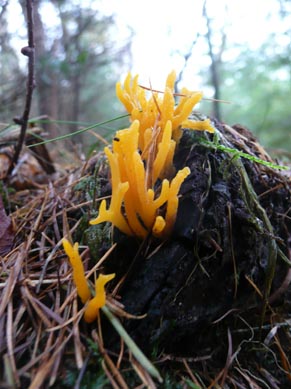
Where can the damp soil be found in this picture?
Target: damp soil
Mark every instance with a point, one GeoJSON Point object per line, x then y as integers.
{"type": "Point", "coordinates": [226, 259]}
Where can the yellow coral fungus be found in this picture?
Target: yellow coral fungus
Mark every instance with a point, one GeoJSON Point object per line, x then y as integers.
{"type": "Point", "coordinates": [141, 204]}
{"type": "Point", "coordinates": [165, 153]}
{"type": "Point", "coordinates": [92, 309]}
{"type": "Point", "coordinates": [173, 198]}
{"type": "Point", "coordinates": [128, 177]}
{"type": "Point", "coordinates": [144, 185]}
{"type": "Point", "coordinates": [78, 270]}
{"type": "Point", "coordinates": [97, 302]}
{"type": "Point", "coordinates": [146, 111]}
{"type": "Point", "coordinates": [159, 225]}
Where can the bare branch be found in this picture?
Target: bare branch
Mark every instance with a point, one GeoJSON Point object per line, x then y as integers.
{"type": "Point", "coordinates": [186, 56]}
{"type": "Point", "coordinates": [29, 52]}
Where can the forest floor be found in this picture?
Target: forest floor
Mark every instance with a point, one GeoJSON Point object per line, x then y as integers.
{"type": "Point", "coordinates": [208, 308]}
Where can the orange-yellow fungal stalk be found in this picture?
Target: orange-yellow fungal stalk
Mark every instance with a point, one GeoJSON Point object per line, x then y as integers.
{"type": "Point", "coordinates": [141, 204]}
{"type": "Point", "coordinates": [144, 185]}
{"type": "Point", "coordinates": [173, 201]}
{"type": "Point", "coordinates": [78, 270]}
{"type": "Point", "coordinates": [97, 302]}
{"type": "Point", "coordinates": [146, 111]}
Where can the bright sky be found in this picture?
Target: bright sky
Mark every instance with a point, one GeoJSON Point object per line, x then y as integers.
{"type": "Point", "coordinates": [165, 30]}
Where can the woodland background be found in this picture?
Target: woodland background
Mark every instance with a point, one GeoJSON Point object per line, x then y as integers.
{"type": "Point", "coordinates": [79, 62]}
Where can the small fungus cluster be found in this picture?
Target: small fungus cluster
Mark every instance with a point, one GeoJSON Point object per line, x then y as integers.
{"type": "Point", "coordinates": [145, 186]}
{"type": "Point", "coordinates": [97, 302]}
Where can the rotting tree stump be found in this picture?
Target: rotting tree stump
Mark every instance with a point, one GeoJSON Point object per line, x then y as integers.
{"type": "Point", "coordinates": [228, 256]}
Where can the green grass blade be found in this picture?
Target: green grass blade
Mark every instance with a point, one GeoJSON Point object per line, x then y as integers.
{"type": "Point", "coordinates": [61, 137]}
{"type": "Point", "coordinates": [238, 153]}
{"type": "Point", "coordinates": [136, 351]}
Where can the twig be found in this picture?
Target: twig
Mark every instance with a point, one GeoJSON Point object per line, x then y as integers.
{"type": "Point", "coordinates": [29, 52]}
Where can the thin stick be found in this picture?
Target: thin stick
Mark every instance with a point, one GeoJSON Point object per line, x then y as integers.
{"type": "Point", "coordinates": [29, 52]}
{"type": "Point", "coordinates": [183, 95]}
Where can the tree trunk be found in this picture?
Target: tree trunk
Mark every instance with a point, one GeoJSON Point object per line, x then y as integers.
{"type": "Point", "coordinates": [215, 64]}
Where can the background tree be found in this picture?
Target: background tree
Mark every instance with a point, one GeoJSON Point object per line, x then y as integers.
{"type": "Point", "coordinates": [12, 78]}
{"type": "Point", "coordinates": [258, 86]}
{"type": "Point", "coordinates": [82, 55]}
{"type": "Point", "coordinates": [215, 52]}
{"type": "Point", "coordinates": [256, 82]}
{"type": "Point", "coordinates": [78, 62]}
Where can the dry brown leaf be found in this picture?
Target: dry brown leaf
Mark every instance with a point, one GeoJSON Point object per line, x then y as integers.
{"type": "Point", "coordinates": [6, 231]}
